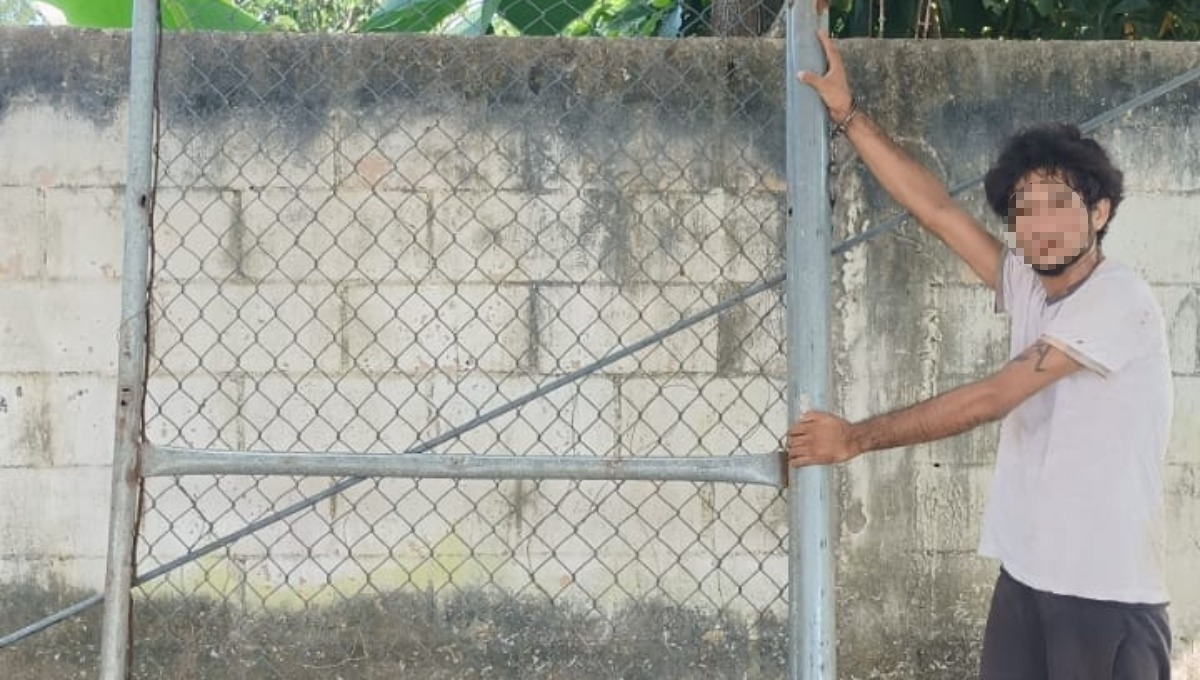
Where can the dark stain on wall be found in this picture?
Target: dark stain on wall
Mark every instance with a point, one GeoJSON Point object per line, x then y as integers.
{"type": "Point", "coordinates": [84, 72]}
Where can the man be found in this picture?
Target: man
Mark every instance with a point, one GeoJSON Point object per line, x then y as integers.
{"type": "Point", "coordinates": [1075, 513]}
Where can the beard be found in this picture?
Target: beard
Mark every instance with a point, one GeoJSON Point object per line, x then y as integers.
{"type": "Point", "coordinates": [1060, 268]}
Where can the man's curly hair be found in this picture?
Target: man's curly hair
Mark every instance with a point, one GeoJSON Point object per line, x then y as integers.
{"type": "Point", "coordinates": [1061, 150]}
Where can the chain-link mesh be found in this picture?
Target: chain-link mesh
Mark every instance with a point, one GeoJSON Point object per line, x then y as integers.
{"type": "Point", "coordinates": [363, 243]}
{"type": "Point", "coordinates": [579, 18]}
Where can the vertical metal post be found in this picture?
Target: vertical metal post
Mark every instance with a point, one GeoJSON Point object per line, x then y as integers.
{"type": "Point", "coordinates": [131, 360]}
{"type": "Point", "coordinates": [812, 652]}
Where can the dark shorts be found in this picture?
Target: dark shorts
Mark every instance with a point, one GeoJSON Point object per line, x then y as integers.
{"type": "Point", "coordinates": [1035, 635]}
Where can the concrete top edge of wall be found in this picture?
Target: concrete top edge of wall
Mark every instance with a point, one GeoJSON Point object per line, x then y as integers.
{"type": "Point", "coordinates": [208, 74]}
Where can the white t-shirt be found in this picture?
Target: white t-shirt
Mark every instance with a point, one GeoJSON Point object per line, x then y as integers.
{"type": "Point", "coordinates": [1076, 504]}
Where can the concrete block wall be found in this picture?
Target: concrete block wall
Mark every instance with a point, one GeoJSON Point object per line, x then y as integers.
{"type": "Point", "coordinates": [360, 265]}
{"type": "Point", "coordinates": [60, 263]}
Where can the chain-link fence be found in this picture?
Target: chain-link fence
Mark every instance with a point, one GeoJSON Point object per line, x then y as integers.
{"type": "Point", "coordinates": [369, 244]}
{"type": "Point", "coordinates": [364, 243]}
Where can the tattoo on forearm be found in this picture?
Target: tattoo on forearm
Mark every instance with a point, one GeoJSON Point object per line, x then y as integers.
{"type": "Point", "coordinates": [1038, 354]}
{"type": "Point", "coordinates": [948, 414]}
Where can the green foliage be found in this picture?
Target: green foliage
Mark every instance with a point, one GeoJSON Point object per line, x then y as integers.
{"type": "Point", "coordinates": [1004, 19]}
{"type": "Point", "coordinates": [543, 17]}
{"type": "Point", "coordinates": [95, 13]}
{"type": "Point", "coordinates": [608, 18]}
{"type": "Point", "coordinates": [1020, 19]}
{"type": "Point", "coordinates": [616, 18]}
{"type": "Point", "coordinates": [410, 16]}
{"type": "Point", "coordinates": [474, 18]}
{"type": "Point", "coordinates": [17, 12]}
{"type": "Point", "coordinates": [176, 14]}
{"type": "Point", "coordinates": [206, 15]}
{"type": "Point", "coordinates": [310, 16]}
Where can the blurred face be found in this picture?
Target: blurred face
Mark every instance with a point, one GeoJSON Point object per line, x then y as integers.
{"type": "Point", "coordinates": [1048, 223]}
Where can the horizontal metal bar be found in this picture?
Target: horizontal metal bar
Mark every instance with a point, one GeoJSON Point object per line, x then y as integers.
{"type": "Point", "coordinates": [764, 468]}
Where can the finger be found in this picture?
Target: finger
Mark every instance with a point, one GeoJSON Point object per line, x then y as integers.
{"type": "Point", "coordinates": [810, 79]}
{"type": "Point", "coordinates": [799, 437]}
{"type": "Point", "coordinates": [832, 58]}
{"type": "Point", "coordinates": [801, 425]}
{"type": "Point", "coordinates": [825, 40]}
{"type": "Point", "coordinates": [806, 446]}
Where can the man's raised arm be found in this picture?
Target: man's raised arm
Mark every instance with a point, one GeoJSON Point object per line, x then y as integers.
{"type": "Point", "coordinates": [908, 183]}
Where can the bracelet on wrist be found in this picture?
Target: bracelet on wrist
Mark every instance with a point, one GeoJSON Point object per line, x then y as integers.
{"type": "Point", "coordinates": [840, 128]}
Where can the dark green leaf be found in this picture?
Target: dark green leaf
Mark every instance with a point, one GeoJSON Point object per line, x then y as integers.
{"type": "Point", "coordinates": [1129, 6]}
{"type": "Point", "coordinates": [473, 19]}
{"type": "Point", "coordinates": [212, 15]}
{"type": "Point", "coordinates": [543, 17]}
{"type": "Point", "coordinates": [1046, 8]}
{"type": "Point", "coordinates": [964, 19]}
{"type": "Point", "coordinates": [946, 13]}
{"type": "Point", "coordinates": [207, 15]}
{"type": "Point", "coordinates": [410, 16]}
{"type": "Point", "coordinates": [95, 13]}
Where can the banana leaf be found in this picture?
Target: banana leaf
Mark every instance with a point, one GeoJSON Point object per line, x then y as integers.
{"type": "Point", "coordinates": [210, 15]}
